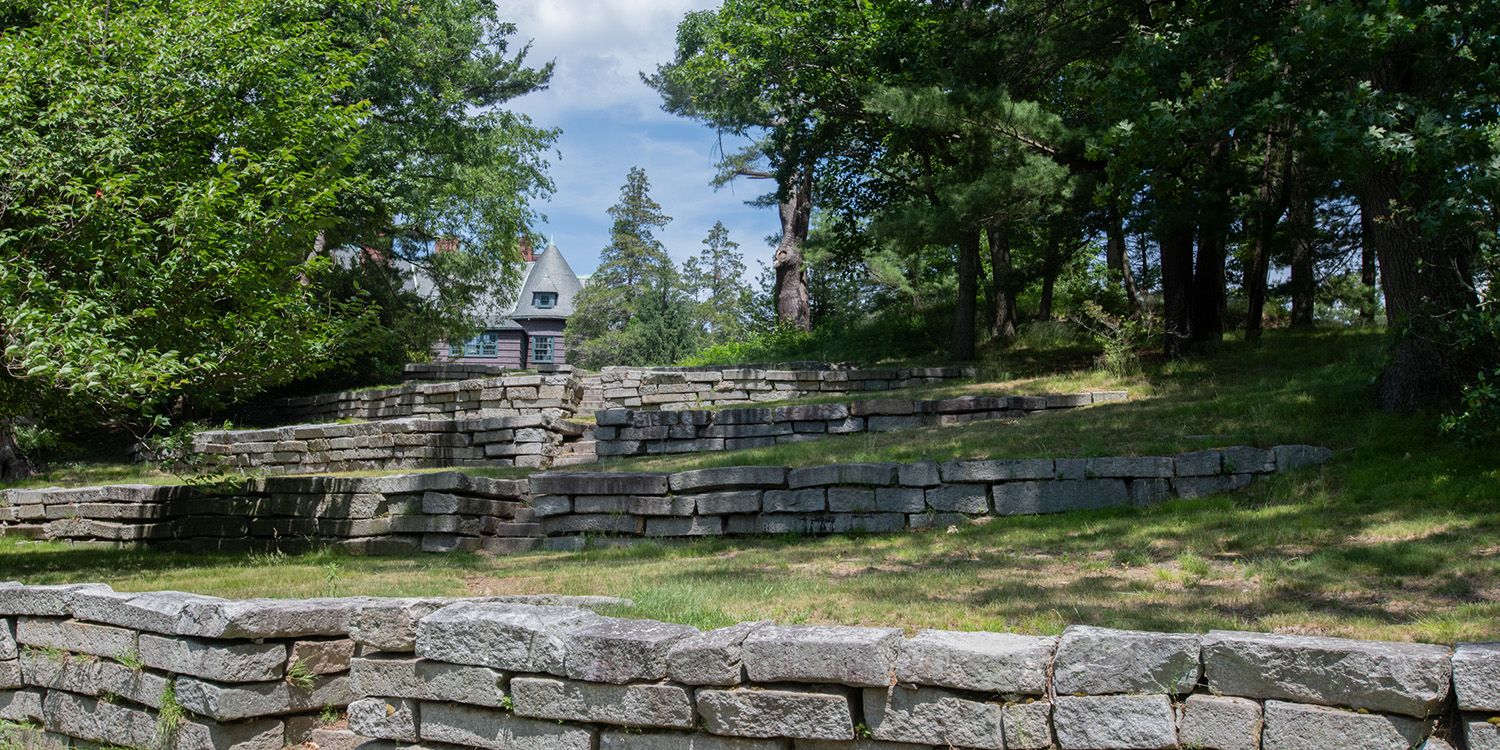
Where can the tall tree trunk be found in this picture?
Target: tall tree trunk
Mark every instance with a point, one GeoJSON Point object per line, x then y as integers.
{"type": "Point", "coordinates": [1270, 204]}
{"type": "Point", "coordinates": [792, 305]}
{"type": "Point", "coordinates": [1002, 294]}
{"type": "Point", "coordinates": [1176, 240]}
{"type": "Point", "coordinates": [966, 317]}
{"type": "Point", "coordinates": [1051, 267]}
{"type": "Point", "coordinates": [13, 465]}
{"type": "Point", "coordinates": [1302, 222]}
{"type": "Point", "coordinates": [1208, 305]}
{"type": "Point", "coordinates": [1118, 259]}
{"type": "Point", "coordinates": [1366, 268]}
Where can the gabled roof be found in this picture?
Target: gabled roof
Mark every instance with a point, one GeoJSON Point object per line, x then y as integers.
{"type": "Point", "coordinates": [550, 273]}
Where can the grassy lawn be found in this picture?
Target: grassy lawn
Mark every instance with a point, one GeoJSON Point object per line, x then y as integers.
{"type": "Point", "coordinates": [1398, 538]}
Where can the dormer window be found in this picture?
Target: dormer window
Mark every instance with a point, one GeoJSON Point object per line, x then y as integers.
{"type": "Point", "coordinates": [544, 300]}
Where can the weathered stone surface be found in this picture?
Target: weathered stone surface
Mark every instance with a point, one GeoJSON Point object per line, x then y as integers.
{"type": "Point", "coordinates": [794, 501]}
{"type": "Point", "coordinates": [1193, 487]}
{"type": "Point", "coordinates": [384, 719]}
{"type": "Point", "coordinates": [1028, 726]}
{"type": "Point", "coordinates": [833, 474]}
{"type": "Point", "coordinates": [863, 743]}
{"type": "Point", "coordinates": [923, 474]}
{"type": "Point", "coordinates": [116, 725]}
{"type": "Point", "coordinates": [862, 657]}
{"type": "Point", "coordinates": [20, 706]}
{"type": "Point", "coordinates": [1476, 675]}
{"type": "Point", "coordinates": [617, 740]}
{"type": "Point", "coordinates": [41, 601]}
{"type": "Point", "coordinates": [776, 713]}
{"type": "Point", "coordinates": [1012, 498]}
{"type": "Point", "coordinates": [931, 716]}
{"type": "Point", "coordinates": [1404, 678]}
{"type": "Point", "coordinates": [156, 612]}
{"type": "Point", "coordinates": [7, 640]}
{"type": "Point", "coordinates": [421, 679]}
{"type": "Point", "coordinates": [997, 470]}
{"type": "Point", "coordinates": [711, 658]}
{"type": "Point", "coordinates": [74, 636]}
{"type": "Point", "coordinates": [1100, 661]}
{"type": "Point", "coordinates": [732, 477]}
{"type": "Point", "coordinates": [1218, 723]}
{"type": "Point", "coordinates": [619, 651]}
{"type": "Point", "coordinates": [1244, 459]}
{"type": "Point", "coordinates": [667, 706]}
{"type": "Point", "coordinates": [1289, 457]}
{"type": "Point", "coordinates": [391, 624]}
{"type": "Point", "coordinates": [323, 657]}
{"type": "Point", "coordinates": [267, 618]}
{"type": "Point", "coordinates": [587, 483]}
{"type": "Point", "coordinates": [243, 701]}
{"type": "Point", "coordinates": [1204, 463]}
{"type": "Point", "coordinates": [90, 676]}
{"type": "Point", "coordinates": [973, 499]}
{"type": "Point", "coordinates": [983, 662]}
{"type": "Point", "coordinates": [1293, 726]}
{"type": "Point", "coordinates": [730, 501]}
{"type": "Point", "coordinates": [458, 724]}
{"type": "Point", "coordinates": [221, 662]}
{"type": "Point", "coordinates": [1115, 722]}
{"type": "Point", "coordinates": [1129, 467]}
{"type": "Point", "coordinates": [1482, 735]}
{"type": "Point", "coordinates": [515, 637]}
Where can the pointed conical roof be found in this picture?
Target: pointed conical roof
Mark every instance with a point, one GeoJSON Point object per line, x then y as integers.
{"type": "Point", "coordinates": [550, 273]}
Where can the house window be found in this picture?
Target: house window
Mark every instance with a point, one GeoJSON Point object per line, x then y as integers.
{"type": "Point", "coordinates": [541, 349]}
{"type": "Point", "coordinates": [486, 344]}
{"type": "Point", "coordinates": [544, 300]}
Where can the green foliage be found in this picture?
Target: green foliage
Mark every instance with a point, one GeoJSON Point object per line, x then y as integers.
{"type": "Point", "coordinates": [299, 675]}
{"type": "Point", "coordinates": [169, 717]}
{"type": "Point", "coordinates": [716, 281]}
{"type": "Point", "coordinates": [1120, 338]}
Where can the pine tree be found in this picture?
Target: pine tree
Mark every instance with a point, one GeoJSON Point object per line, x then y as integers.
{"type": "Point", "coordinates": [716, 281]}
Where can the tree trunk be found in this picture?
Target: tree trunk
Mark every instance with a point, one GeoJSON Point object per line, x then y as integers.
{"type": "Point", "coordinates": [1002, 293]}
{"type": "Point", "coordinates": [1270, 204]}
{"type": "Point", "coordinates": [13, 465]}
{"type": "Point", "coordinates": [1301, 221]}
{"type": "Point", "coordinates": [1118, 258]}
{"type": "Point", "coordinates": [792, 306]}
{"type": "Point", "coordinates": [966, 317]}
{"type": "Point", "coordinates": [1051, 266]}
{"type": "Point", "coordinates": [1176, 240]}
{"type": "Point", "coordinates": [1366, 268]}
{"type": "Point", "coordinates": [1208, 305]}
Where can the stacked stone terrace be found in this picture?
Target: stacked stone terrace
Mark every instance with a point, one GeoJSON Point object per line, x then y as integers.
{"type": "Point", "coordinates": [638, 388]}
{"type": "Point", "coordinates": [555, 395]}
{"type": "Point", "coordinates": [636, 432]}
{"type": "Point", "coordinates": [81, 664]}
{"type": "Point", "coordinates": [435, 512]}
{"type": "Point", "coordinates": [410, 443]}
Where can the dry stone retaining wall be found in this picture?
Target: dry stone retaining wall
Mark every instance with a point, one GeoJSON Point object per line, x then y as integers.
{"type": "Point", "coordinates": [410, 443]}
{"type": "Point", "coordinates": [638, 388]}
{"type": "Point", "coordinates": [434, 512]}
{"type": "Point", "coordinates": [88, 663]}
{"type": "Point", "coordinates": [636, 432]}
{"type": "Point", "coordinates": [554, 395]}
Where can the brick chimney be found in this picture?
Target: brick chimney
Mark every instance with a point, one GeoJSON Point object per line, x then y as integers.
{"type": "Point", "coordinates": [528, 254]}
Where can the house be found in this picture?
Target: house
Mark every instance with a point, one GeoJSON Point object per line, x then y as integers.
{"type": "Point", "coordinates": [530, 333]}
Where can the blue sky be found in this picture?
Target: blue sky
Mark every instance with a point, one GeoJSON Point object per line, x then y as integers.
{"type": "Point", "coordinates": [611, 121]}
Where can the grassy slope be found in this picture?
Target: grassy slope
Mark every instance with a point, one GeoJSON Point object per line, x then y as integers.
{"type": "Point", "coordinates": [1396, 538]}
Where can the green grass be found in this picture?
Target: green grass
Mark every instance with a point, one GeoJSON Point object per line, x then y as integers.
{"type": "Point", "coordinates": [1396, 538]}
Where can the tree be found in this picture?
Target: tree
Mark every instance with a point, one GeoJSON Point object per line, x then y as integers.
{"type": "Point", "coordinates": [166, 169]}
{"type": "Point", "coordinates": [716, 280]}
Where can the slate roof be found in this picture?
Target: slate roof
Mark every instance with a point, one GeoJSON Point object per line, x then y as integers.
{"type": "Point", "coordinates": [550, 273]}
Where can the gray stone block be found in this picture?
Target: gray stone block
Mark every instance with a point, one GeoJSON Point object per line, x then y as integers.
{"type": "Point", "coordinates": [1192, 487]}
{"type": "Point", "coordinates": [11, 675]}
{"type": "Point", "coordinates": [1289, 457]}
{"type": "Point", "coordinates": [861, 499]}
{"type": "Point", "coordinates": [1147, 492]}
{"type": "Point", "coordinates": [598, 484]}
{"type": "Point", "coordinates": [879, 475]}
{"type": "Point", "coordinates": [733, 501]}
{"type": "Point", "coordinates": [551, 505]}
{"type": "Point", "coordinates": [1404, 678]}
{"type": "Point", "coordinates": [1115, 722]}
{"type": "Point", "coordinates": [619, 651]}
{"type": "Point", "coordinates": [1013, 498]}
{"type": "Point", "coordinates": [894, 499]}
{"type": "Point", "coordinates": [267, 618]}
{"type": "Point", "coordinates": [1028, 726]}
{"type": "Point", "coordinates": [391, 624]}
{"type": "Point", "coordinates": [930, 716]}
{"type": "Point", "coordinates": [244, 701]}
{"type": "Point", "coordinates": [1130, 467]}
{"type": "Point", "coordinates": [41, 601]}
{"type": "Point", "coordinates": [997, 470]}
{"type": "Point", "coordinates": [1218, 723]}
{"type": "Point", "coordinates": [156, 612]}
{"type": "Point", "coordinates": [616, 740]}
{"type": "Point", "coordinates": [776, 713]}
{"type": "Point", "coordinates": [694, 526]}
{"type": "Point", "coordinates": [322, 657]}
{"type": "Point", "coordinates": [593, 524]}
{"type": "Point", "coordinates": [665, 706]}
{"type": "Point", "coordinates": [973, 499]}
{"type": "Point", "coordinates": [732, 477]}
{"type": "Point", "coordinates": [20, 706]}
{"type": "Point", "coordinates": [116, 725]}
{"type": "Point", "coordinates": [89, 676]}
{"type": "Point", "coordinates": [514, 637]}
{"type": "Point", "coordinates": [221, 662]}
{"type": "Point", "coordinates": [420, 679]}
{"type": "Point", "coordinates": [981, 662]}
{"type": "Point", "coordinates": [1476, 676]}
{"type": "Point", "coordinates": [923, 474]}
{"type": "Point", "coordinates": [1243, 459]}
{"type": "Point", "coordinates": [457, 724]}
{"type": "Point", "coordinates": [1482, 735]}
{"type": "Point", "coordinates": [1293, 726]}
{"type": "Point", "coordinates": [74, 636]}
{"type": "Point", "coordinates": [861, 657]}
{"type": "Point", "coordinates": [794, 501]}
{"type": "Point", "coordinates": [863, 743]}
{"type": "Point", "coordinates": [711, 658]}
{"type": "Point", "coordinates": [384, 719]}
{"type": "Point", "coordinates": [1100, 661]}
{"type": "Point", "coordinates": [7, 640]}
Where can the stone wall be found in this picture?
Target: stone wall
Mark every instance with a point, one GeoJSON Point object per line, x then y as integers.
{"type": "Point", "coordinates": [401, 514]}
{"type": "Point", "coordinates": [411, 443]}
{"type": "Point", "coordinates": [885, 497]}
{"type": "Point", "coordinates": [89, 663]}
{"type": "Point", "coordinates": [442, 372]}
{"type": "Point", "coordinates": [642, 388]}
{"type": "Point", "coordinates": [635, 432]}
{"type": "Point", "coordinates": [554, 395]}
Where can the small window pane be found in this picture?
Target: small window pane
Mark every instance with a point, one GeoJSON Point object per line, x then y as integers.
{"type": "Point", "coordinates": [543, 300]}
{"type": "Point", "coordinates": [541, 349]}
